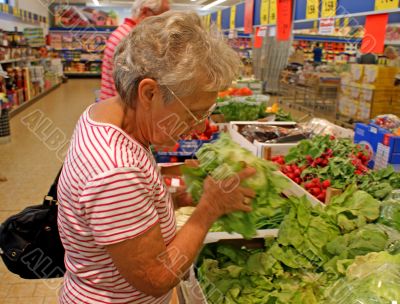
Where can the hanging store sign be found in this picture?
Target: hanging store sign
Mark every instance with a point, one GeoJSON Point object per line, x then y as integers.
{"type": "Point", "coordinates": [232, 21]}
{"type": "Point", "coordinates": [386, 4]}
{"type": "Point", "coordinates": [248, 16]}
{"type": "Point", "coordinates": [272, 11]}
{"type": "Point", "coordinates": [264, 12]}
{"type": "Point", "coordinates": [328, 8]}
{"type": "Point", "coordinates": [284, 20]}
{"type": "Point", "coordinates": [258, 39]}
{"type": "Point", "coordinates": [312, 10]}
{"type": "Point", "coordinates": [375, 34]}
{"type": "Point", "coordinates": [219, 19]}
{"type": "Point", "coordinates": [327, 26]}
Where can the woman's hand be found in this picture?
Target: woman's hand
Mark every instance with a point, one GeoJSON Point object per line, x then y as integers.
{"type": "Point", "coordinates": [225, 196]}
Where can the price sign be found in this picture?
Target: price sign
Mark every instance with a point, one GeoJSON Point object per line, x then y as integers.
{"type": "Point", "coordinates": [346, 22]}
{"type": "Point", "coordinates": [284, 20]}
{"type": "Point", "coordinates": [272, 11]}
{"type": "Point", "coordinates": [264, 12]}
{"type": "Point", "coordinates": [386, 4]}
{"type": "Point", "coordinates": [312, 10]}
{"type": "Point", "coordinates": [219, 19]}
{"type": "Point", "coordinates": [233, 17]}
{"type": "Point", "coordinates": [337, 23]}
{"type": "Point", "coordinates": [328, 8]}
{"type": "Point", "coordinates": [6, 8]}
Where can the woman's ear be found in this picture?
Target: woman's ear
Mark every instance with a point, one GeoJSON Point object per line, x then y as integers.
{"type": "Point", "coordinates": [148, 91]}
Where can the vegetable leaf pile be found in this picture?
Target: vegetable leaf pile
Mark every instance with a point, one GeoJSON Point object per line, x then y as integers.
{"type": "Point", "coordinates": [318, 254]}
{"type": "Point", "coordinates": [224, 159]}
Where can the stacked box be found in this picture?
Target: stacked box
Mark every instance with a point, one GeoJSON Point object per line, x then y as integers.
{"type": "Point", "coordinates": [380, 75]}
{"type": "Point", "coordinates": [368, 91]}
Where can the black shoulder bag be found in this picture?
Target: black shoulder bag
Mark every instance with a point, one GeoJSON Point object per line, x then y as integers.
{"type": "Point", "coordinates": [30, 245]}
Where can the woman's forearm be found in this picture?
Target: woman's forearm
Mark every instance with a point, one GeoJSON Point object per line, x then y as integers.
{"type": "Point", "coordinates": [183, 250]}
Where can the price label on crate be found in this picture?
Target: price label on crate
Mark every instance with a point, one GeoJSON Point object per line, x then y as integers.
{"type": "Point", "coordinates": [312, 10]}
{"type": "Point", "coordinates": [328, 8]}
{"type": "Point", "coordinates": [386, 4]}
{"type": "Point", "coordinates": [264, 12]}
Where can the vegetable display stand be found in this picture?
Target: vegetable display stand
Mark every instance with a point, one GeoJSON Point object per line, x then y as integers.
{"type": "Point", "coordinates": [262, 150]}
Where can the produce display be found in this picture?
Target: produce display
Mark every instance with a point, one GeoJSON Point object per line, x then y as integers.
{"type": "Point", "coordinates": [339, 254]}
{"type": "Point", "coordinates": [224, 159]}
{"type": "Point", "coordinates": [325, 161]}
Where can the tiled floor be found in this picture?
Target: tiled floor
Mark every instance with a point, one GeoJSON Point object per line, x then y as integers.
{"type": "Point", "coordinates": [30, 163]}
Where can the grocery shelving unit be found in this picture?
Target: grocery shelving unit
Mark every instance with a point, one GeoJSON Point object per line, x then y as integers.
{"type": "Point", "coordinates": [81, 49]}
{"type": "Point", "coordinates": [28, 103]}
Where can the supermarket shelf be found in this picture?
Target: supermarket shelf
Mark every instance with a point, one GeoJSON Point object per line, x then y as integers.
{"type": "Point", "coordinates": [81, 60]}
{"type": "Point", "coordinates": [77, 50]}
{"type": "Point", "coordinates": [28, 103]}
{"type": "Point", "coordinates": [90, 29]}
{"type": "Point", "coordinates": [22, 60]}
{"type": "Point", "coordinates": [82, 74]}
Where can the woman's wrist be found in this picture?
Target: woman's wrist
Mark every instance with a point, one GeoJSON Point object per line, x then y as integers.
{"type": "Point", "coordinates": [209, 214]}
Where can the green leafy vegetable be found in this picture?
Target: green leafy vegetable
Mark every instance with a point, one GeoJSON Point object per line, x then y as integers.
{"type": "Point", "coordinates": [224, 159]}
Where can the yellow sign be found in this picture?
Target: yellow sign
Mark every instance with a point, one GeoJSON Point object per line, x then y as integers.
{"type": "Point", "coordinates": [346, 22]}
{"type": "Point", "coordinates": [5, 8]}
{"type": "Point", "coordinates": [312, 10]}
{"type": "Point", "coordinates": [328, 8]}
{"type": "Point", "coordinates": [386, 4]}
{"type": "Point", "coordinates": [315, 26]}
{"type": "Point", "coordinates": [15, 11]}
{"type": "Point", "coordinates": [232, 18]}
{"type": "Point", "coordinates": [264, 12]}
{"type": "Point", "coordinates": [337, 22]}
{"type": "Point", "coordinates": [219, 19]}
{"type": "Point", "coordinates": [273, 9]}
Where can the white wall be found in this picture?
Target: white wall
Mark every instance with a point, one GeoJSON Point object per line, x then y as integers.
{"type": "Point", "coordinates": [8, 22]}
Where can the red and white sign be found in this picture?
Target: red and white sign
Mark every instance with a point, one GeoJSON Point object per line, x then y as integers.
{"type": "Point", "coordinates": [327, 26]}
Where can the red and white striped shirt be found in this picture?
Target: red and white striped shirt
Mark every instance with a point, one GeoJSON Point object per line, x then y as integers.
{"type": "Point", "coordinates": [107, 82]}
{"type": "Point", "coordinates": [110, 190]}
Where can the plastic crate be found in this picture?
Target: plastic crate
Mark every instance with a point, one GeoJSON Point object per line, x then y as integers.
{"type": "Point", "coordinates": [187, 149]}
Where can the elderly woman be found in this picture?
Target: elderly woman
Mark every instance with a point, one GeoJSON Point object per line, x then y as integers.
{"type": "Point", "coordinates": [116, 217]}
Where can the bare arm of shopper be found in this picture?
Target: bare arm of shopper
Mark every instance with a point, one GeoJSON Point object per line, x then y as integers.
{"type": "Point", "coordinates": [150, 266]}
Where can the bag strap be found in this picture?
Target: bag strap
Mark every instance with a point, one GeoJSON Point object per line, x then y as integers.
{"type": "Point", "coordinates": [51, 197]}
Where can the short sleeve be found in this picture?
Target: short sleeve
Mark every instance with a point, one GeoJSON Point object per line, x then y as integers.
{"type": "Point", "coordinates": [118, 205]}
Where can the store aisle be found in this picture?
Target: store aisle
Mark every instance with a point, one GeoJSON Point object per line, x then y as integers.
{"type": "Point", "coordinates": [40, 136]}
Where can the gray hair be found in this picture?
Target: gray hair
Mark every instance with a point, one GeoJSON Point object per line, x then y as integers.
{"type": "Point", "coordinates": [178, 52]}
{"type": "Point", "coordinates": [154, 5]}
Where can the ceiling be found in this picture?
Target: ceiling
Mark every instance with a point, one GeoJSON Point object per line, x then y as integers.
{"type": "Point", "coordinates": [175, 4]}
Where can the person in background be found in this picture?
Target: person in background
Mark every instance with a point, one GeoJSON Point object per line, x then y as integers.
{"type": "Point", "coordinates": [392, 56]}
{"type": "Point", "coordinates": [317, 54]}
{"type": "Point", "coordinates": [367, 58]}
{"type": "Point", "coordinates": [141, 9]}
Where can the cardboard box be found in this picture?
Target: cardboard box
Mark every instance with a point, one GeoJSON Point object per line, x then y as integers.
{"type": "Point", "coordinates": [259, 149]}
{"type": "Point", "coordinates": [388, 152]}
{"type": "Point", "coordinates": [369, 135]}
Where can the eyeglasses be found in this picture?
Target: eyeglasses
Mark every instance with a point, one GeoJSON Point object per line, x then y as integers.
{"type": "Point", "coordinates": [197, 121]}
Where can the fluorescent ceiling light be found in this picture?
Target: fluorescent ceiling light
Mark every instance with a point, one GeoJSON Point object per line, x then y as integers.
{"type": "Point", "coordinates": [212, 4]}
{"type": "Point", "coordinates": [96, 2]}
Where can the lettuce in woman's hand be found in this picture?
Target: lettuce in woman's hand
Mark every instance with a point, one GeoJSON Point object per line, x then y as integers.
{"type": "Point", "coordinates": [223, 159]}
